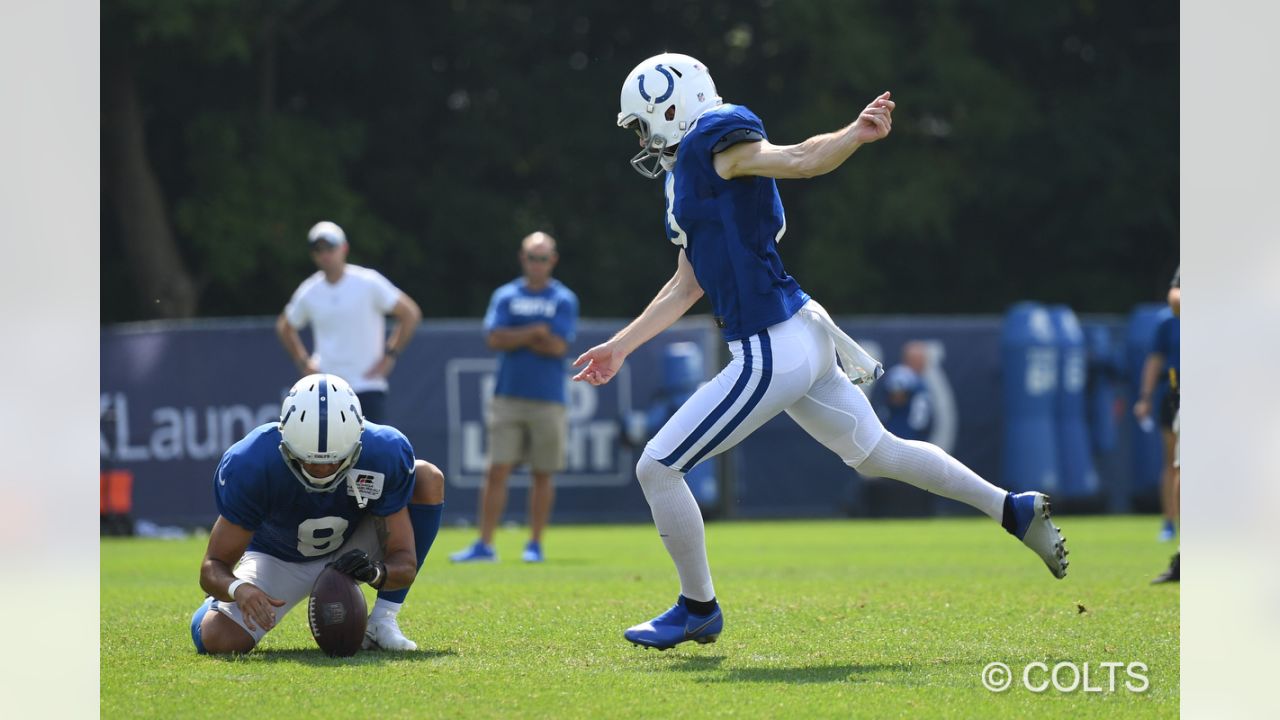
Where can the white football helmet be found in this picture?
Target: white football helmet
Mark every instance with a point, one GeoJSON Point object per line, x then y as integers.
{"type": "Point", "coordinates": [321, 422]}
{"type": "Point", "coordinates": [660, 100]}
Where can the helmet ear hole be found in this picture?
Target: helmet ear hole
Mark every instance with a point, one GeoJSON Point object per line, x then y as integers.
{"type": "Point", "coordinates": [671, 113]}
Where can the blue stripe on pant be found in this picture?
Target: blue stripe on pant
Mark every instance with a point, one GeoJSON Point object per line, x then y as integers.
{"type": "Point", "coordinates": [723, 407]}
{"type": "Point", "coordinates": [766, 373]}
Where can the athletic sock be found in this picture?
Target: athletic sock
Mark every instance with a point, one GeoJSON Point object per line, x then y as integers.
{"type": "Point", "coordinates": [1010, 518]}
{"type": "Point", "coordinates": [383, 608]}
{"type": "Point", "coordinates": [679, 523]}
{"type": "Point", "coordinates": [929, 468]}
{"type": "Point", "coordinates": [426, 525]}
{"type": "Point", "coordinates": [697, 607]}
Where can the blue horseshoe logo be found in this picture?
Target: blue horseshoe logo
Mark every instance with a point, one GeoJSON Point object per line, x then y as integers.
{"type": "Point", "coordinates": [671, 87]}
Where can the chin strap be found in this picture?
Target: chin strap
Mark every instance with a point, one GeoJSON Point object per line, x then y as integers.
{"type": "Point", "coordinates": [361, 500]}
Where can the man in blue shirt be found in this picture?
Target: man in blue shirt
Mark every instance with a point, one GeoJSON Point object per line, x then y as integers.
{"type": "Point", "coordinates": [724, 213]}
{"type": "Point", "coordinates": [530, 322]}
{"type": "Point", "coordinates": [909, 413]}
{"type": "Point", "coordinates": [1160, 383]}
{"type": "Point", "coordinates": [322, 486]}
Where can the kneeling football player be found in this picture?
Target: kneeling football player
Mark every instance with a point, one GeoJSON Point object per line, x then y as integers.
{"type": "Point", "coordinates": [321, 486]}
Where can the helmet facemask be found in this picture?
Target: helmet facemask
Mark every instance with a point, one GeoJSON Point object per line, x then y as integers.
{"type": "Point", "coordinates": [317, 484]}
{"type": "Point", "coordinates": [656, 156]}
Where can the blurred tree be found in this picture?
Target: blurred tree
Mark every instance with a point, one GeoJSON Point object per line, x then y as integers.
{"type": "Point", "coordinates": [1034, 151]}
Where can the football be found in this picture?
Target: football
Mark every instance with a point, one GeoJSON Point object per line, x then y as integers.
{"type": "Point", "coordinates": [337, 613]}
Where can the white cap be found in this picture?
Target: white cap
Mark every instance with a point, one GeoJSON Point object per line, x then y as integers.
{"type": "Point", "coordinates": [325, 231]}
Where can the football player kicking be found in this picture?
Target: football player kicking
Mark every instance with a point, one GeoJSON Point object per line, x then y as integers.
{"type": "Point", "coordinates": [724, 213]}
{"type": "Point", "coordinates": [322, 486]}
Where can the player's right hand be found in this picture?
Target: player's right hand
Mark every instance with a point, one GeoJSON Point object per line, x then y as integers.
{"type": "Point", "coordinates": [256, 606]}
{"type": "Point", "coordinates": [876, 119]}
{"type": "Point", "coordinates": [602, 363]}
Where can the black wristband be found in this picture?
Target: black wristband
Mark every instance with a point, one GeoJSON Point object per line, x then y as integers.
{"type": "Point", "coordinates": [391, 352]}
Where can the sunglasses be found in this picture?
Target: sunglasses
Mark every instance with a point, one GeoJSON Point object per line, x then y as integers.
{"type": "Point", "coordinates": [537, 258]}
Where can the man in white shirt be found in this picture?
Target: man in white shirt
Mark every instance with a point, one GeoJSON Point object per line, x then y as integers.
{"type": "Point", "coordinates": [346, 306]}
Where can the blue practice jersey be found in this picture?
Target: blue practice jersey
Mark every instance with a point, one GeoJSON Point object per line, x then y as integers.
{"type": "Point", "coordinates": [730, 229]}
{"type": "Point", "coordinates": [257, 491]}
{"type": "Point", "coordinates": [1167, 343]}
{"type": "Point", "coordinates": [523, 373]}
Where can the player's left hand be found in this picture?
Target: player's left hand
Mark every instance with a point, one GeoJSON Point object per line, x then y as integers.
{"type": "Point", "coordinates": [357, 563]}
{"type": "Point", "coordinates": [602, 363]}
{"type": "Point", "coordinates": [876, 120]}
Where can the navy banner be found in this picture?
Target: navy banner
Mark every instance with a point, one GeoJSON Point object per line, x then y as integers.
{"type": "Point", "coordinates": [174, 396]}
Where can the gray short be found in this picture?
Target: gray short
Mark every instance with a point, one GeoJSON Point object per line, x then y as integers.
{"type": "Point", "coordinates": [291, 581]}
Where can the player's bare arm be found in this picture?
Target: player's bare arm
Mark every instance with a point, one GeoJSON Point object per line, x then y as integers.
{"type": "Point", "coordinates": [1151, 370]}
{"type": "Point", "coordinates": [292, 343]}
{"type": "Point", "coordinates": [505, 339]}
{"type": "Point", "coordinates": [395, 536]}
{"type": "Point", "coordinates": [407, 315]}
{"type": "Point", "coordinates": [818, 155]}
{"type": "Point", "coordinates": [551, 345]}
{"type": "Point", "coordinates": [227, 543]}
{"type": "Point", "coordinates": [672, 301]}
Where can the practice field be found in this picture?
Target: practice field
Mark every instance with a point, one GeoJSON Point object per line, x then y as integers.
{"type": "Point", "coordinates": [822, 619]}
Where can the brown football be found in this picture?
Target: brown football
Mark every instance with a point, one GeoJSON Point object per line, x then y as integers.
{"type": "Point", "coordinates": [337, 613]}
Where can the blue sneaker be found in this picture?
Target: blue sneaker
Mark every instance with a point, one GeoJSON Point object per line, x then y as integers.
{"type": "Point", "coordinates": [1031, 524]}
{"type": "Point", "coordinates": [1167, 532]}
{"type": "Point", "coordinates": [532, 552]}
{"type": "Point", "coordinates": [675, 626]}
{"type": "Point", "coordinates": [477, 552]}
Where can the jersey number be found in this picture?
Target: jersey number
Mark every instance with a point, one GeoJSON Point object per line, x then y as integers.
{"type": "Point", "coordinates": [318, 536]}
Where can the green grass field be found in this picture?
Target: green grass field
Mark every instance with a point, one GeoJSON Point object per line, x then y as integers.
{"type": "Point", "coordinates": [823, 619]}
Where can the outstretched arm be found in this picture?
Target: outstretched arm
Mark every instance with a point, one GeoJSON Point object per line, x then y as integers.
{"type": "Point", "coordinates": [673, 300]}
{"type": "Point", "coordinates": [818, 155]}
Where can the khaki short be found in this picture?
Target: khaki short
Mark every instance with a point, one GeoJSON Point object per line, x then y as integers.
{"type": "Point", "coordinates": [527, 431]}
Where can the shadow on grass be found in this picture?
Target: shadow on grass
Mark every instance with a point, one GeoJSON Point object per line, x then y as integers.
{"type": "Point", "coordinates": [796, 675]}
{"type": "Point", "coordinates": [804, 674]}
{"type": "Point", "coordinates": [314, 656]}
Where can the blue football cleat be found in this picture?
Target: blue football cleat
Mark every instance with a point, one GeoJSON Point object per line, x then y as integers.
{"type": "Point", "coordinates": [1031, 525]}
{"type": "Point", "coordinates": [532, 552]}
{"type": "Point", "coordinates": [675, 626]}
{"type": "Point", "coordinates": [1167, 532]}
{"type": "Point", "coordinates": [477, 552]}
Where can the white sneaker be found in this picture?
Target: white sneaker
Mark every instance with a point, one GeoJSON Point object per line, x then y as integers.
{"type": "Point", "coordinates": [384, 634]}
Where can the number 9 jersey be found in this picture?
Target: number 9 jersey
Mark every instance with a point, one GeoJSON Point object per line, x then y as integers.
{"type": "Point", "coordinates": [255, 489]}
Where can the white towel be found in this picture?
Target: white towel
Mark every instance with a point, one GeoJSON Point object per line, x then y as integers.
{"type": "Point", "coordinates": [857, 363]}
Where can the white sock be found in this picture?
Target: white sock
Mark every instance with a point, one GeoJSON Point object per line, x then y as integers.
{"type": "Point", "coordinates": [929, 468]}
{"type": "Point", "coordinates": [384, 608]}
{"type": "Point", "coordinates": [679, 522]}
